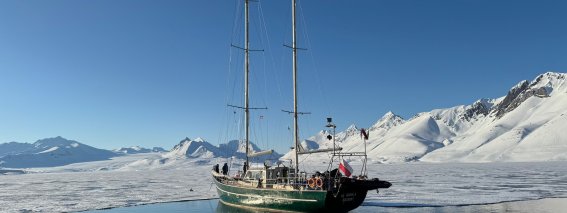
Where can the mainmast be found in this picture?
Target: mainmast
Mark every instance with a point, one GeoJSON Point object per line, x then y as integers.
{"type": "Point", "coordinates": [246, 69]}
{"type": "Point", "coordinates": [295, 129]}
{"type": "Point", "coordinates": [247, 107]}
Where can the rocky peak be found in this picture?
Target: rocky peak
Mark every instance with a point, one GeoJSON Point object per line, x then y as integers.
{"type": "Point", "coordinates": [542, 86]}
{"type": "Point", "coordinates": [182, 143]}
{"type": "Point", "coordinates": [480, 107]}
{"type": "Point", "coordinates": [389, 114]}
{"type": "Point", "coordinates": [548, 77]}
{"type": "Point", "coordinates": [388, 121]}
{"type": "Point", "coordinates": [53, 142]}
{"type": "Point", "coordinates": [352, 128]}
{"type": "Point", "coordinates": [350, 131]}
{"type": "Point", "coordinates": [193, 148]}
{"type": "Point", "coordinates": [512, 99]}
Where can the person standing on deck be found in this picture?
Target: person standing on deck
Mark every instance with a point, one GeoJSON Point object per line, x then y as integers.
{"type": "Point", "coordinates": [225, 169]}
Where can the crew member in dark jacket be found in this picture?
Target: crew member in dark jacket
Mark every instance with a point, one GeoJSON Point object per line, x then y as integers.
{"type": "Point", "coordinates": [216, 168]}
{"type": "Point", "coordinates": [225, 169]}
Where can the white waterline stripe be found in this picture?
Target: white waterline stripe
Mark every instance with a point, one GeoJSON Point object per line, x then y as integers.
{"type": "Point", "coordinates": [282, 198]}
{"type": "Point", "coordinates": [253, 207]}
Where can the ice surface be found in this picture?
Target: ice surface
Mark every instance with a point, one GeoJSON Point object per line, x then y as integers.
{"type": "Point", "coordinates": [547, 205]}
{"type": "Point", "coordinates": [147, 178]}
{"type": "Point", "coordinates": [422, 184]}
{"type": "Point", "coordinates": [126, 185]}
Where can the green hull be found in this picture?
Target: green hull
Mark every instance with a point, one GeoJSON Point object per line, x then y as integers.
{"type": "Point", "coordinates": [272, 199]}
{"type": "Point", "coordinates": [348, 195]}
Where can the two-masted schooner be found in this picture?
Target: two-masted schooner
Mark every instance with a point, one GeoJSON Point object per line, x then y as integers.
{"type": "Point", "coordinates": [286, 188]}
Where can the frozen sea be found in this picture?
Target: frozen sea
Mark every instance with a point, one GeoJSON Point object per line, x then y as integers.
{"type": "Point", "coordinates": [546, 205]}
{"type": "Point", "coordinates": [422, 186]}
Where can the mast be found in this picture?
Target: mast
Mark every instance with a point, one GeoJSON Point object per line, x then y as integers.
{"type": "Point", "coordinates": [246, 70]}
{"type": "Point", "coordinates": [295, 129]}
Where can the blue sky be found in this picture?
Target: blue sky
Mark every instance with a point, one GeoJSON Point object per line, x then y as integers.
{"type": "Point", "coordinates": [122, 73]}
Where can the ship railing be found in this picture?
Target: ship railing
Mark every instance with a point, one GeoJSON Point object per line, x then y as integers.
{"type": "Point", "coordinates": [283, 184]}
{"type": "Point", "coordinates": [290, 181]}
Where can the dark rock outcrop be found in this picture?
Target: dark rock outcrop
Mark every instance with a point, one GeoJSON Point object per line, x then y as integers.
{"type": "Point", "coordinates": [478, 108]}
{"type": "Point", "coordinates": [513, 99]}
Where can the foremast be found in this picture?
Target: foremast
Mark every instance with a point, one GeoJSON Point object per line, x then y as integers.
{"type": "Point", "coordinates": [246, 70]}
{"type": "Point", "coordinates": [247, 107]}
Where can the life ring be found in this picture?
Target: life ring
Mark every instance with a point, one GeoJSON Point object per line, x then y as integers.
{"type": "Point", "coordinates": [311, 183]}
{"type": "Point", "coordinates": [319, 182]}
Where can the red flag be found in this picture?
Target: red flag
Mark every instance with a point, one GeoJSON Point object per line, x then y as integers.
{"type": "Point", "coordinates": [345, 168]}
{"type": "Point", "coordinates": [364, 133]}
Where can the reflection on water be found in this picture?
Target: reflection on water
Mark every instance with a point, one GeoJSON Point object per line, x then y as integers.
{"type": "Point", "coordinates": [548, 205]}
{"type": "Point", "coordinates": [223, 208]}
{"type": "Point", "coordinates": [174, 207]}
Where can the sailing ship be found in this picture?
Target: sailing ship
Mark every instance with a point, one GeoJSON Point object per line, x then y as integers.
{"type": "Point", "coordinates": [286, 188]}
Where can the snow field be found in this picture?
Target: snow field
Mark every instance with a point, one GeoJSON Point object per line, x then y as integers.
{"type": "Point", "coordinates": [414, 184]}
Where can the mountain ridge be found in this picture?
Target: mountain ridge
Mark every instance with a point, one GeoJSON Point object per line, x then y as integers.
{"type": "Point", "coordinates": [527, 124]}
{"type": "Point", "coordinates": [56, 151]}
{"type": "Point", "coordinates": [200, 148]}
{"type": "Point", "coordinates": [523, 125]}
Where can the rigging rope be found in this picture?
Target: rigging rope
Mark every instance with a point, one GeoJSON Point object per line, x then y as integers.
{"type": "Point", "coordinates": [220, 136]}
{"type": "Point", "coordinates": [306, 36]}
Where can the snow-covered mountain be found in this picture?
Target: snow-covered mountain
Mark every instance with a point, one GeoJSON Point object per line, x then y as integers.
{"type": "Point", "coordinates": [138, 149]}
{"type": "Point", "coordinates": [48, 152]}
{"type": "Point", "coordinates": [200, 148]}
{"type": "Point", "coordinates": [13, 148]}
{"type": "Point", "coordinates": [528, 124]}
{"type": "Point", "coordinates": [193, 148]}
{"type": "Point", "coordinates": [387, 121]}
{"type": "Point", "coordinates": [59, 151]}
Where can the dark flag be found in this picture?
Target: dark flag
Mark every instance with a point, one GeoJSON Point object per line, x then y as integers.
{"type": "Point", "coordinates": [364, 133]}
